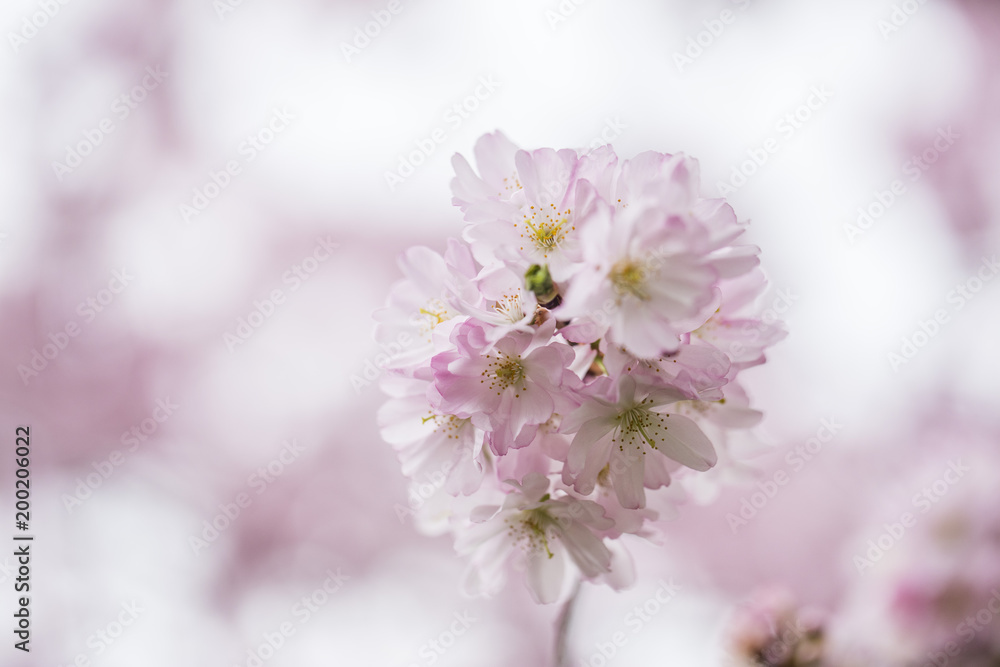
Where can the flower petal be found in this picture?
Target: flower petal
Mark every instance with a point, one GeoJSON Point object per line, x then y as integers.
{"type": "Point", "coordinates": [680, 439]}
{"type": "Point", "coordinates": [627, 475]}
{"type": "Point", "coordinates": [582, 448]}
{"type": "Point", "coordinates": [545, 575]}
{"type": "Point", "coordinates": [586, 549]}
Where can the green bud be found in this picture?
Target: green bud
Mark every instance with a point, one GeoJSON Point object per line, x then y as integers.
{"type": "Point", "coordinates": [539, 281]}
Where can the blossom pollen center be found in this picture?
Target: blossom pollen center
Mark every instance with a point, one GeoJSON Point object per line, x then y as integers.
{"type": "Point", "coordinates": [529, 529]}
{"type": "Point", "coordinates": [503, 373]}
{"type": "Point", "coordinates": [547, 229]}
{"type": "Point", "coordinates": [448, 425]}
{"type": "Point", "coordinates": [629, 278]}
{"type": "Point", "coordinates": [433, 314]}
{"type": "Point", "coordinates": [510, 306]}
{"type": "Point", "coordinates": [634, 427]}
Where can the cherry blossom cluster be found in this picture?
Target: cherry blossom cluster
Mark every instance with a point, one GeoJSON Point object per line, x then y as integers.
{"type": "Point", "coordinates": [570, 359]}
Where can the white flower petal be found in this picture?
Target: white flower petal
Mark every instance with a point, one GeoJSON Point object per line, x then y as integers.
{"type": "Point", "coordinates": [586, 549]}
{"type": "Point", "coordinates": [545, 575]}
{"type": "Point", "coordinates": [680, 439]}
{"type": "Point", "coordinates": [627, 477]}
{"type": "Point", "coordinates": [582, 449]}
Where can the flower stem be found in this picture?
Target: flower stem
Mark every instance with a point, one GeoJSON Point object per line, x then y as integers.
{"type": "Point", "coordinates": [562, 628]}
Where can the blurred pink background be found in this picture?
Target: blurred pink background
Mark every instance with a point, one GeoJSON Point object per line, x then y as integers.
{"type": "Point", "coordinates": [198, 190]}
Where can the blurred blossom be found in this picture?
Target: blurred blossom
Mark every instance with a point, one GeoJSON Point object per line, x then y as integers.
{"type": "Point", "coordinates": [928, 572]}
{"type": "Point", "coordinates": [771, 630]}
{"type": "Point", "coordinates": [964, 181]}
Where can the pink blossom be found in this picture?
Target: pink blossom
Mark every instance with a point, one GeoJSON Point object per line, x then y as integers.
{"type": "Point", "coordinates": [735, 329]}
{"type": "Point", "coordinates": [524, 206]}
{"type": "Point", "coordinates": [507, 388]}
{"type": "Point", "coordinates": [422, 302]}
{"type": "Point", "coordinates": [540, 531]}
{"type": "Point", "coordinates": [698, 370]}
{"type": "Point", "coordinates": [439, 449]}
{"type": "Point", "coordinates": [614, 436]}
{"type": "Point", "coordinates": [500, 299]}
{"type": "Point", "coordinates": [650, 272]}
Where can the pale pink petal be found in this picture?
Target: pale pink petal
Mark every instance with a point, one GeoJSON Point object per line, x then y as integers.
{"type": "Point", "coordinates": [545, 576]}
{"type": "Point", "coordinates": [680, 439]}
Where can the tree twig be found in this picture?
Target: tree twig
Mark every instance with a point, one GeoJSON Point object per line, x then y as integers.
{"type": "Point", "coordinates": [562, 628]}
